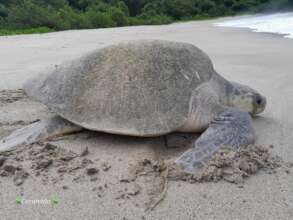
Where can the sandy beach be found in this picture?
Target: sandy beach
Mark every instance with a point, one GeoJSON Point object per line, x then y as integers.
{"type": "Point", "coordinates": [97, 185]}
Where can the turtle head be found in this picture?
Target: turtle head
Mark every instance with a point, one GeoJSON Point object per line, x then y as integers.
{"type": "Point", "coordinates": [246, 99]}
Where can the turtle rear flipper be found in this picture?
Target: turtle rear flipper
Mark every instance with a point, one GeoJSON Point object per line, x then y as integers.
{"type": "Point", "coordinates": [232, 128]}
{"type": "Point", "coordinates": [38, 131]}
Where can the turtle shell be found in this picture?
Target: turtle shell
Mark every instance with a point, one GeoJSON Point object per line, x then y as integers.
{"type": "Point", "coordinates": [140, 88]}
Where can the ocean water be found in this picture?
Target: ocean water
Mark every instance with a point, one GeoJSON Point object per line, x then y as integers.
{"type": "Point", "coordinates": [280, 23]}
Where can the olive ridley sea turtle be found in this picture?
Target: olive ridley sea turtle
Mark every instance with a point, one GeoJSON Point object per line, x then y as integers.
{"type": "Point", "coordinates": [145, 88]}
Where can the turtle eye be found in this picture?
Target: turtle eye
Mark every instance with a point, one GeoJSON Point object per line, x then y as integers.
{"type": "Point", "coordinates": [258, 100]}
{"type": "Point", "coordinates": [260, 103]}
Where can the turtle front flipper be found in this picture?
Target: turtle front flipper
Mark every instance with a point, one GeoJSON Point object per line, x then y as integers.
{"type": "Point", "coordinates": [38, 131]}
{"type": "Point", "coordinates": [231, 128]}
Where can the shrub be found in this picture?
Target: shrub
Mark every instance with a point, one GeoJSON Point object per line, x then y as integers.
{"type": "Point", "coordinates": [117, 16]}
{"type": "Point", "coordinates": [99, 19]}
{"type": "Point", "coordinates": [26, 15]}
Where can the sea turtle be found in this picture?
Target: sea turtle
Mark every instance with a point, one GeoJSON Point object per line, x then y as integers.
{"type": "Point", "coordinates": [145, 88]}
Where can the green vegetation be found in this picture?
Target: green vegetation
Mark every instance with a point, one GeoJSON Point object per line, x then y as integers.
{"type": "Point", "coordinates": [31, 16]}
{"type": "Point", "coordinates": [26, 31]}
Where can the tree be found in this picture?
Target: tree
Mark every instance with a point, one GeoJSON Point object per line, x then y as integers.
{"type": "Point", "coordinates": [135, 6]}
{"type": "Point", "coordinates": [27, 14]}
{"type": "Point", "coordinates": [179, 9]}
{"type": "Point", "coordinates": [118, 16]}
{"type": "Point", "coordinates": [3, 11]}
{"type": "Point", "coordinates": [99, 19]}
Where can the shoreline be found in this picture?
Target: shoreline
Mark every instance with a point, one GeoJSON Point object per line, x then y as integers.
{"type": "Point", "coordinates": [223, 18]}
{"type": "Point", "coordinates": [175, 22]}
{"type": "Point", "coordinates": [263, 23]}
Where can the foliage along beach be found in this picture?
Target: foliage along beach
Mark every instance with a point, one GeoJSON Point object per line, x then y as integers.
{"type": "Point", "coordinates": [40, 16]}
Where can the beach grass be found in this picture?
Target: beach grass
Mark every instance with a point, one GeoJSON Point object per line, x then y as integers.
{"type": "Point", "coordinates": [39, 30]}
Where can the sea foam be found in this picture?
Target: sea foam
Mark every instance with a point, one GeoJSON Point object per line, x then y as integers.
{"type": "Point", "coordinates": [280, 23]}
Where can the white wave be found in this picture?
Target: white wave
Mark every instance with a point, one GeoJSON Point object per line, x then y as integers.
{"type": "Point", "coordinates": [280, 23]}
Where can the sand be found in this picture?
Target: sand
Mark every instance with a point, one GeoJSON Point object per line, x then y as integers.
{"type": "Point", "coordinates": [88, 175]}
